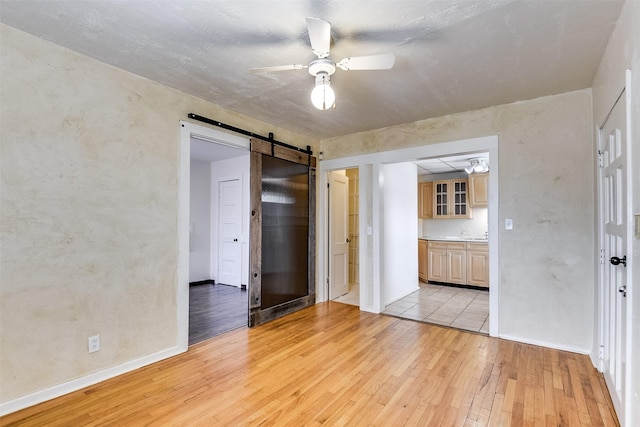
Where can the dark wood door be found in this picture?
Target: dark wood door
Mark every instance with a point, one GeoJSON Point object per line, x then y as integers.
{"type": "Point", "coordinates": [282, 260]}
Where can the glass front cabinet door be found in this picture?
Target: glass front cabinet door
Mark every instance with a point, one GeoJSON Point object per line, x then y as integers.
{"type": "Point", "coordinates": [451, 199]}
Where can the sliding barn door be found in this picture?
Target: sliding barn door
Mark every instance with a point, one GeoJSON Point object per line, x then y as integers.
{"type": "Point", "coordinates": [282, 232]}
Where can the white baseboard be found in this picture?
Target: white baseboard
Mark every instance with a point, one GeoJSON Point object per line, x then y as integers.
{"type": "Point", "coordinates": [595, 360]}
{"type": "Point", "coordinates": [547, 344]}
{"type": "Point", "coordinates": [80, 383]}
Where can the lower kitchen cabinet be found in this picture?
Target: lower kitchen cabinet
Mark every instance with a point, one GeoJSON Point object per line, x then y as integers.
{"type": "Point", "coordinates": [463, 263]}
{"type": "Point", "coordinates": [447, 262]}
{"type": "Point", "coordinates": [478, 264]}
{"type": "Point", "coordinates": [422, 260]}
{"type": "Point", "coordinates": [437, 264]}
{"type": "Point", "coordinates": [457, 263]}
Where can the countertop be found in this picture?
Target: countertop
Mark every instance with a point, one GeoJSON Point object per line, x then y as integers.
{"type": "Point", "coordinates": [455, 239]}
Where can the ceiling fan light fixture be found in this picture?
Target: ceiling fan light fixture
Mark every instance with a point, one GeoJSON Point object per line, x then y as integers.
{"type": "Point", "coordinates": [478, 165]}
{"type": "Point", "coordinates": [322, 96]}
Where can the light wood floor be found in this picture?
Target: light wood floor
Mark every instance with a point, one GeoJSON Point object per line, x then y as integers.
{"type": "Point", "coordinates": [334, 365]}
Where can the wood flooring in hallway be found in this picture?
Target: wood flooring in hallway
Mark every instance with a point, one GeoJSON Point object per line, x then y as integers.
{"type": "Point", "coordinates": [330, 365]}
{"type": "Point", "coordinates": [216, 309]}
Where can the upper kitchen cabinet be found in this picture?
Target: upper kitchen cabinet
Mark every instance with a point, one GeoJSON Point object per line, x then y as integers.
{"type": "Point", "coordinates": [478, 193]}
{"type": "Point", "coordinates": [450, 199]}
{"type": "Point", "coordinates": [425, 200]}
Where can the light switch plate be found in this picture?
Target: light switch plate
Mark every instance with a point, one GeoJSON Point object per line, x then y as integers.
{"type": "Point", "coordinates": [508, 224]}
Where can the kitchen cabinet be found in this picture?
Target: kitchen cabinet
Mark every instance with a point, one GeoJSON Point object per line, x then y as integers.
{"type": "Point", "coordinates": [425, 200]}
{"type": "Point", "coordinates": [463, 263]}
{"type": "Point", "coordinates": [437, 261]}
{"type": "Point", "coordinates": [478, 190]}
{"type": "Point", "coordinates": [450, 199]}
{"type": "Point", "coordinates": [456, 263]}
{"type": "Point", "coordinates": [422, 260]}
{"type": "Point", "coordinates": [478, 264]}
{"type": "Point", "coordinates": [447, 262]}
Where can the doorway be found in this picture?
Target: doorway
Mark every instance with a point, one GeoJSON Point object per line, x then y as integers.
{"type": "Point", "coordinates": [371, 225]}
{"type": "Point", "coordinates": [344, 237]}
{"type": "Point", "coordinates": [213, 233]}
{"type": "Point", "coordinates": [615, 248]}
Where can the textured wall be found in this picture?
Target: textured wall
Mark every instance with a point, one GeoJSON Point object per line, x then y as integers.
{"type": "Point", "coordinates": [89, 158]}
{"type": "Point", "coordinates": [546, 186]}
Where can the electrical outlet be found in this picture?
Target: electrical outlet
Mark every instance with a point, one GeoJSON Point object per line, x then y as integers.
{"type": "Point", "coordinates": [94, 343]}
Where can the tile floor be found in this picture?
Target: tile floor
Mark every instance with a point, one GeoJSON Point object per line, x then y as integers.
{"type": "Point", "coordinates": [352, 297]}
{"type": "Point", "coordinates": [460, 308]}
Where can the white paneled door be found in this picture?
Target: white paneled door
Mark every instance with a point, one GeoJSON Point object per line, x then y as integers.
{"type": "Point", "coordinates": [338, 235]}
{"type": "Point", "coordinates": [229, 231]}
{"type": "Point", "coordinates": [613, 185]}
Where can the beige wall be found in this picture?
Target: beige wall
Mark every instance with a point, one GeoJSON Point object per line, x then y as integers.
{"type": "Point", "coordinates": [546, 187]}
{"type": "Point", "coordinates": [89, 158]}
{"type": "Point", "coordinates": [89, 163]}
{"type": "Point", "coordinates": [622, 53]}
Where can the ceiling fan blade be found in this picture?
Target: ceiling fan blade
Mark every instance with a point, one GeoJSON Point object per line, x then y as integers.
{"type": "Point", "coordinates": [320, 36]}
{"type": "Point", "coordinates": [278, 68]}
{"type": "Point", "coordinates": [370, 62]}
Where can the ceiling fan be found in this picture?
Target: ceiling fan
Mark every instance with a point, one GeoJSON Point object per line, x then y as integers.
{"type": "Point", "coordinates": [323, 96]}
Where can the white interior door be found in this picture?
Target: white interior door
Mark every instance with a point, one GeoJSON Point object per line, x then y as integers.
{"type": "Point", "coordinates": [613, 185]}
{"type": "Point", "coordinates": [338, 235]}
{"type": "Point", "coordinates": [229, 231]}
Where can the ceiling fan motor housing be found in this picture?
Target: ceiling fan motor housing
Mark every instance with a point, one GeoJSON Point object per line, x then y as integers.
{"type": "Point", "coordinates": [322, 65]}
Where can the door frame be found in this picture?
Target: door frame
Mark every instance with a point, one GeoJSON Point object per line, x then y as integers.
{"type": "Point", "coordinates": [598, 357]}
{"type": "Point", "coordinates": [370, 206]}
{"type": "Point", "coordinates": [187, 131]}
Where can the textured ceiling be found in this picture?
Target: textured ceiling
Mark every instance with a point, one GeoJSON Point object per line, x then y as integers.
{"type": "Point", "coordinates": [451, 56]}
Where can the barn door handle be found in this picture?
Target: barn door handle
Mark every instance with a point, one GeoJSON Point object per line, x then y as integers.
{"type": "Point", "coordinates": [615, 260]}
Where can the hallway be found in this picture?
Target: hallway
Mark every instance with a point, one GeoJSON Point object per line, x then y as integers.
{"type": "Point", "coordinates": [216, 309]}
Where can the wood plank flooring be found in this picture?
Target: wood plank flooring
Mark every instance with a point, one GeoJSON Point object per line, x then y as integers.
{"type": "Point", "coordinates": [331, 364]}
{"type": "Point", "coordinates": [216, 309]}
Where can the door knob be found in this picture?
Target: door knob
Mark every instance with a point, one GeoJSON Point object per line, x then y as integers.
{"type": "Point", "coordinates": [615, 260]}
{"type": "Point", "coordinates": [623, 290]}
